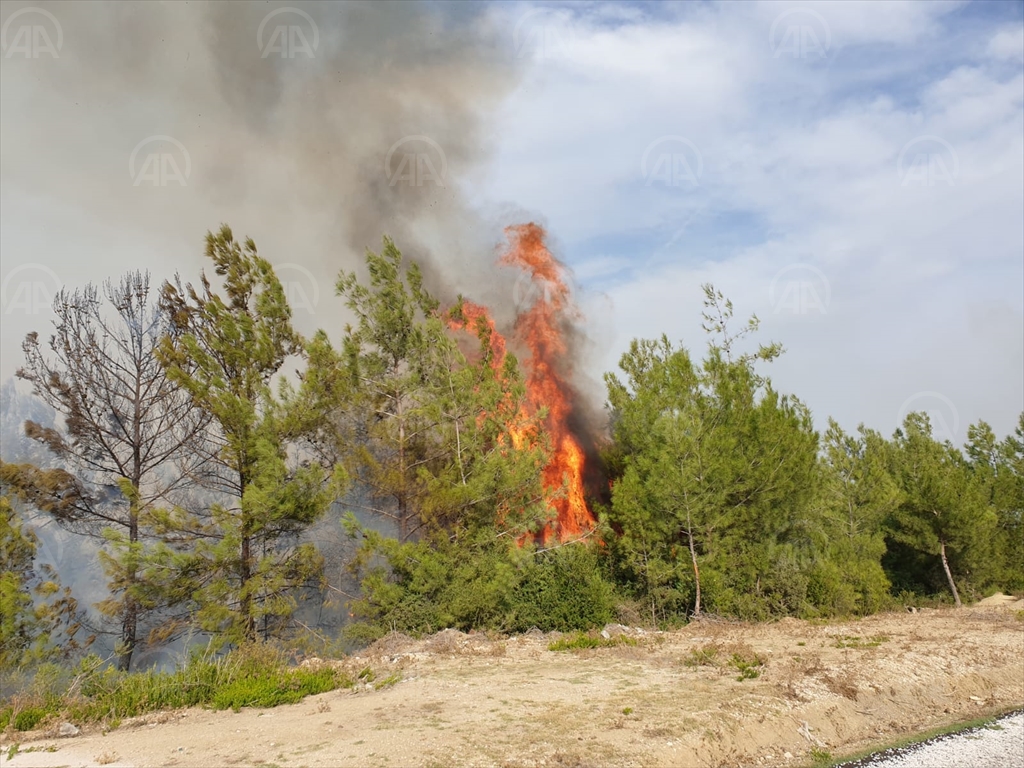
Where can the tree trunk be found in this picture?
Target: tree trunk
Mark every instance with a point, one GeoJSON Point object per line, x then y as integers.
{"type": "Point", "coordinates": [245, 573]}
{"type": "Point", "coordinates": [129, 623]}
{"type": "Point", "coordinates": [403, 502]}
{"type": "Point", "coordinates": [693, 558]}
{"type": "Point", "coordinates": [949, 575]}
{"type": "Point", "coordinates": [130, 612]}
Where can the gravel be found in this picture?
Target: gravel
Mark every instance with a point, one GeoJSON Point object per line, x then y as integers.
{"type": "Point", "coordinates": [999, 744]}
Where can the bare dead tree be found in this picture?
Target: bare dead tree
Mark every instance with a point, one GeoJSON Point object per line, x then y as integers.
{"type": "Point", "coordinates": [129, 439]}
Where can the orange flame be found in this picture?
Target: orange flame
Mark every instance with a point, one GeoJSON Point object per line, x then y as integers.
{"type": "Point", "coordinates": [539, 328]}
{"type": "Point", "coordinates": [539, 331]}
{"type": "Point", "coordinates": [477, 318]}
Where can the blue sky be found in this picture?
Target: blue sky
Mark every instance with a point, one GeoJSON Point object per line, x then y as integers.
{"type": "Point", "coordinates": [851, 172]}
{"type": "Point", "coordinates": [801, 166]}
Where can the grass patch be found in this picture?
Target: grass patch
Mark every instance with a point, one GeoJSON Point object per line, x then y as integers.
{"type": "Point", "coordinates": [252, 676]}
{"type": "Point", "coordinates": [387, 682]}
{"type": "Point", "coordinates": [988, 721]}
{"type": "Point", "coordinates": [581, 641]}
{"type": "Point", "coordinates": [705, 656]}
{"type": "Point", "coordinates": [821, 757]}
{"type": "Point", "coordinates": [749, 665]}
{"type": "Point", "coordinates": [853, 641]}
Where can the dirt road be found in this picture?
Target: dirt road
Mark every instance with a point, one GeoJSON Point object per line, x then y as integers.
{"type": "Point", "coordinates": [671, 699]}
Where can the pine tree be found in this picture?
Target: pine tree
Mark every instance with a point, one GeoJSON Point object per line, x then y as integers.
{"type": "Point", "coordinates": [429, 432]}
{"type": "Point", "coordinates": [129, 438]}
{"type": "Point", "coordinates": [717, 471]}
{"type": "Point", "coordinates": [942, 513]}
{"type": "Point", "coordinates": [247, 566]}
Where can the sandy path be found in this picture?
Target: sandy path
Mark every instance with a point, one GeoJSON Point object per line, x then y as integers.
{"type": "Point", "coordinates": [473, 701]}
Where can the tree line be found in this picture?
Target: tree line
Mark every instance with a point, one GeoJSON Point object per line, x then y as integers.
{"type": "Point", "coordinates": [200, 436]}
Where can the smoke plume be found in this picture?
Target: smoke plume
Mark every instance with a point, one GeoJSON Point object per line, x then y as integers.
{"type": "Point", "coordinates": [287, 114]}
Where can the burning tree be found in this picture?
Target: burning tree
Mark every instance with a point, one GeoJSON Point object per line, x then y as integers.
{"type": "Point", "coordinates": [429, 433]}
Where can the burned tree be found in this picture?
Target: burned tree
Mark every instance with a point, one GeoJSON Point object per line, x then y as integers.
{"type": "Point", "coordinates": [129, 438]}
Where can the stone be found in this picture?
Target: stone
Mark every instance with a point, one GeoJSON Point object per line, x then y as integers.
{"type": "Point", "coordinates": [67, 729]}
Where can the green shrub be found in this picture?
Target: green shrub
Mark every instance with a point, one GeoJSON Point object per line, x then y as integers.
{"type": "Point", "coordinates": [749, 666]}
{"type": "Point", "coordinates": [275, 688]}
{"type": "Point", "coordinates": [562, 590]}
{"type": "Point", "coordinates": [581, 641]}
{"type": "Point", "coordinates": [29, 718]}
{"type": "Point", "coordinates": [486, 582]}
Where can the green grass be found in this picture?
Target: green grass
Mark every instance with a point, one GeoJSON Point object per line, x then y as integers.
{"type": "Point", "coordinates": [387, 682]}
{"type": "Point", "coordinates": [748, 666]}
{"type": "Point", "coordinates": [821, 757]}
{"type": "Point", "coordinates": [582, 641]}
{"type": "Point", "coordinates": [853, 641]}
{"type": "Point", "coordinates": [917, 738]}
{"type": "Point", "coordinates": [253, 676]}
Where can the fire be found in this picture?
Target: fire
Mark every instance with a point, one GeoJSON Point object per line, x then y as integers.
{"type": "Point", "coordinates": [476, 316]}
{"type": "Point", "coordinates": [539, 332]}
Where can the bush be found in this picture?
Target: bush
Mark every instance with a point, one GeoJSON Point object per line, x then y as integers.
{"type": "Point", "coordinates": [486, 583]}
{"type": "Point", "coordinates": [563, 589]}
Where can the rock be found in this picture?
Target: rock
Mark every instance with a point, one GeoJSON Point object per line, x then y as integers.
{"type": "Point", "coordinates": [614, 630]}
{"type": "Point", "coordinates": [67, 729]}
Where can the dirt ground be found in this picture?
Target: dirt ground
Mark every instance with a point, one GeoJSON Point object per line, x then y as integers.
{"type": "Point", "coordinates": [671, 699]}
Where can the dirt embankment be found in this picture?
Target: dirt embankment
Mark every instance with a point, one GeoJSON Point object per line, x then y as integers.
{"type": "Point", "coordinates": [656, 699]}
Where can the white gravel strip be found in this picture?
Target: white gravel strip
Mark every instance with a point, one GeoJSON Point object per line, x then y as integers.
{"type": "Point", "coordinates": [997, 745]}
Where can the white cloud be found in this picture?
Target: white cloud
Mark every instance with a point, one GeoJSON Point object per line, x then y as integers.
{"type": "Point", "coordinates": [807, 156]}
{"type": "Point", "coordinates": [1008, 44]}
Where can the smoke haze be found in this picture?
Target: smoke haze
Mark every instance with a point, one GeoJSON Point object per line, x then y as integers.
{"type": "Point", "coordinates": [288, 148]}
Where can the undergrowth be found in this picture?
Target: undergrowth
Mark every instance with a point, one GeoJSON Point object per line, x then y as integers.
{"type": "Point", "coordinates": [251, 676]}
{"type": "Point", "coordinates": [582, 641]}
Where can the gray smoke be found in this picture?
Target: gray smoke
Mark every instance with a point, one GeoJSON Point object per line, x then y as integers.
{"type": "Point", "coordinates": [285, 146]}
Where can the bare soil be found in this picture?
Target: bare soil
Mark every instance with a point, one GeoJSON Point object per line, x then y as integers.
{"type": "Point", "coordinates": [671, 699]}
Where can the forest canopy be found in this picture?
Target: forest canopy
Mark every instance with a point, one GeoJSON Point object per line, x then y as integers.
{"type": "Point", "coordinates": [204, 445]}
